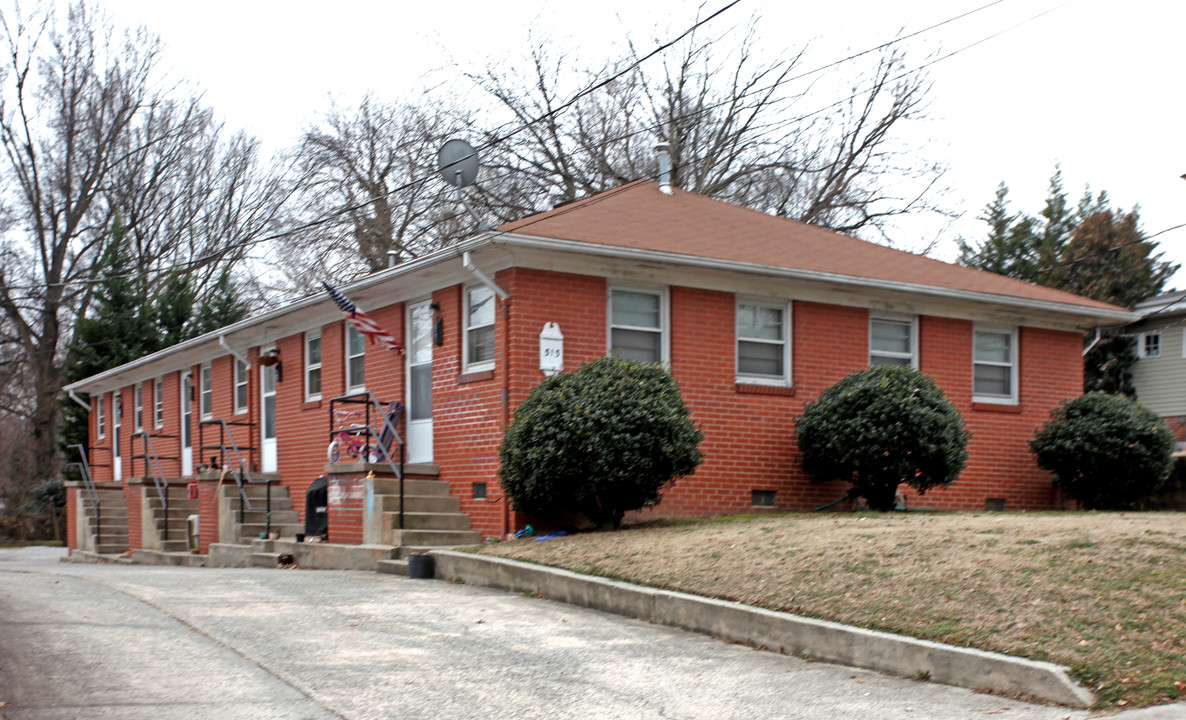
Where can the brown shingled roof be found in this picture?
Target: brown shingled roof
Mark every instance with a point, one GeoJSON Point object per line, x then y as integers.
{"type": "Point", "coordinates": [638, 215]}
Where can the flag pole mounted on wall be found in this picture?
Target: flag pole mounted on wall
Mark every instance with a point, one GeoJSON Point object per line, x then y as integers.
{"type": "Point", "coordinates": [363, 322]}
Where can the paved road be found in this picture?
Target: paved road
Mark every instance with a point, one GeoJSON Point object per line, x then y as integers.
{"type": "Point", "coordinates": [132, 642]}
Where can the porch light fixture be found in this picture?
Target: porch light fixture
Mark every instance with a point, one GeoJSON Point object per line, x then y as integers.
{"type": "Point", "coordinates": [438, 325]}
{"type": "Point", "coordinates": [272, 359]}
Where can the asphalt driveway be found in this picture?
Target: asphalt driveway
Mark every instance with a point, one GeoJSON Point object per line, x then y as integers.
{"type": "Point", "coordinates": [130, 642]}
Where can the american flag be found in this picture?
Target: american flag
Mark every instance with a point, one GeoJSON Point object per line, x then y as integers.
{"type": "Point", "coordinates": [363, 322]}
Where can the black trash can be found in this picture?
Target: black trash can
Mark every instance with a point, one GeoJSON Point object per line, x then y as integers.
{"type": "Point", "coordinates": [421, 566]}
{"type": "Point", "coordinates": [317, 508]}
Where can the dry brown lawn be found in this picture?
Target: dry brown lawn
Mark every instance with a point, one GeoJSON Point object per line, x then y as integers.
{"type": "Point", "coordinates": [1102, 593]}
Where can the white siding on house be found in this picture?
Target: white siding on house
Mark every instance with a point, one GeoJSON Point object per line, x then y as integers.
{"type": "Point", "coordinates": [1161, 381]}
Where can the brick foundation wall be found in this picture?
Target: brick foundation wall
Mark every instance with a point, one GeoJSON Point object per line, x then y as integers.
{"type": "Point", "coordinates": [347, 502]}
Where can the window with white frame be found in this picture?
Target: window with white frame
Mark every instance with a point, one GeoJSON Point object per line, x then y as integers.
{"type": "Point", "coordinates": [636, 324]}
{"type": "Point", "coordinates": [893, 341]}
{"type": "Point", "coordinates": [994, 365]}
{"type": "Point", "coordinates": [1149, 345]}
{"type": "Point", "coordinates": [355, 359]}
{"type": "Point", "coordinates": [763, 342]}
{"type": "Point", "coordinates": [241, 373]}
{"type": "Point", "coordinates": [138, 407]}
{"type": "Point", "coordinates": [479, 328]}
{"type": "Point", "coordinates": [158, 401]}
{"type": "Point", "coordinates": [206, 400]}
{"type": "Point", "coordinates": [313, 365]}
{"type": "Point", "coordinates": [100, 418]}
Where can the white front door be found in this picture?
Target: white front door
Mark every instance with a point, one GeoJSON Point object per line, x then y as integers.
{"type": "Point", "coordinates": [187, 424]}
{"type": "Point", "coordinates": [419, 374]}
{"type": "Point", "coordinates": [267, 405]}
{"type": "Point", "coordinates": [117, 459]}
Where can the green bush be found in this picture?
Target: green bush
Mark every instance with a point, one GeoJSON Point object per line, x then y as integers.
{"type": "Point", "coordinates": [1106, 451]}
{"type": "Point", "coordinates": [599, 441]}
{"type": "Point", "coordinates": [880, 427]}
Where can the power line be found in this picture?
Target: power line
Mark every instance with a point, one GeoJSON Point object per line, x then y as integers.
{"type": "Point", "coordinates": [593, 87]}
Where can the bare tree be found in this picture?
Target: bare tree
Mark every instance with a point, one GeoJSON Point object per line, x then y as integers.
{"type": "Point", "coordinates": [86, 132]}
{"type": "Point", "coordinates": [737, 129]}
{"type": "Point", "coordinates": [69, 98]}
{"type": "Point", "coordinates": [191, 198]}
{"type": "Point", "coordinates": [369, 187]}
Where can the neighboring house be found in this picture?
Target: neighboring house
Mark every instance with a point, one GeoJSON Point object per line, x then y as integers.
{"type": "Point", "coordinates": [1159, 374]}
{"type": "Point", "coordinates": [755, 315]}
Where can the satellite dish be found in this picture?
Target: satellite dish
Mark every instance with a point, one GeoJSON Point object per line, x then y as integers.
{"type": "Point", "coordinates": [458, 162]}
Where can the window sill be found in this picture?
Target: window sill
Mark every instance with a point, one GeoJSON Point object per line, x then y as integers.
{"type": "Point", "coordinates": [755, 389]}
{"type": "Point", "coordinates": [478, 376]}
{"type": "Point", "coordinates": [1013, 409]}
{"type": "Point", "coordinates": [311, 404]}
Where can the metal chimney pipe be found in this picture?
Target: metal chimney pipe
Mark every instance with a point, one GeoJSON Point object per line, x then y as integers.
{"type": "Point", "coordinates": [664, 168]}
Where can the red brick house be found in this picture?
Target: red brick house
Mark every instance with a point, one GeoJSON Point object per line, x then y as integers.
{"type": "Point", "coordinates": [755, 315]}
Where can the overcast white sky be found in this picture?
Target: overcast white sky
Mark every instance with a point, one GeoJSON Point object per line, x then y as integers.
{"type": "Point", "coordinates": [1095, 85]}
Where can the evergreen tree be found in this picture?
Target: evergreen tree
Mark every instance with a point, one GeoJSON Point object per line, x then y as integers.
{"type": "Point", "coordinates": [119, 328]}
{"type": "Point", "coordinates": [175, 309]}
{"type": "Point", "coordinates": [222, 306]}
{"type": "Point", "coordinates": [1092, 251]}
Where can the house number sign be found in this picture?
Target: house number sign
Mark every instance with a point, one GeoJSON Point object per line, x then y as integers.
{"type": "Point", "coordinates": [551, 349]}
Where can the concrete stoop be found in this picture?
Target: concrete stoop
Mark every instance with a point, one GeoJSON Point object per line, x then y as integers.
{"type": "Point", "coordinates": [96, 558]}
{"type": "Point", "coordinates": [161, 557]}
{"type": "Point", "coordinates": [256, 522]}
{"type": "Point", "coordinates": [777, 631]}
{"type": "Point", "coordinates": [310, 556]}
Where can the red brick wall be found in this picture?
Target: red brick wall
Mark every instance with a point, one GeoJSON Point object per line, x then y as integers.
{"type": "Point", "coordinates": [749, 431]}
{"type": "Point", "coordinates": [72, 505]}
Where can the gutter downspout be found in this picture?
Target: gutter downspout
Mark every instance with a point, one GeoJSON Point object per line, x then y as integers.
{"type": "Point", "coordinates": [506, 406]}
{"type": "Point", "coordinates": [222, 343]}
{"type": "Point", "coordinates": [503, 295]}
{"type": "Point", "coordinates": [85, 405]}
{"type": "Point", "coordinates": [468, 263]}
{"type": "Point", "coordinates": [1093, 343]}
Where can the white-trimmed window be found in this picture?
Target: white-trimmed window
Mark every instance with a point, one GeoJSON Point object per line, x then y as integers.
{"type": "Point", "coordinates": [138, 407]}
{"type": "Point", "coordinates": [893, 341]}
{"type": "Point", "coordinates": [763, 342]}
{"type": "Point", "coordinates": [313, 365]}
{"type": "Point", "coordinates": [1149, 345]}
{"type": "Point", "coordinates": [206, 399]}
{"type": "Point", "coordinates": [994, 365]}
{"type": "Point", "coordinates": [241, 374]}
{"type": "Point", "coordinates": [100, 418]}
{"type": "Point", "coordinates": [158, 402]}
{"type": "Point", "coordinates": [479, 328]}
{"type": "Point", "coordinates": [355, 359]}
{"type": "Point", "coordinates": [637, 324]}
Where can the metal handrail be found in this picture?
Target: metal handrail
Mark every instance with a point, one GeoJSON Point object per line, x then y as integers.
{"type": "Point", "coordinates": [88, 481]}
{"type": "Point", "coordinates": [240, 472]}
{"type": "Point", "coordinates": [372, 401]}
{"type": "Point", "coordinates": [152, 467]}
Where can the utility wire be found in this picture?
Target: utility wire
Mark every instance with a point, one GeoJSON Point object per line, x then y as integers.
{"type": "Point", "coordinates": [202, 260]}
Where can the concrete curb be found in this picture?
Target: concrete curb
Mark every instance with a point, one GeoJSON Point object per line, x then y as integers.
{"type": "Point", "coordinates": [781, 632]}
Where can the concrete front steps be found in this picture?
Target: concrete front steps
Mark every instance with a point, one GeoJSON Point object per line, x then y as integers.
{"type": "Point", "coordinates": [172, 527]}
{"type": "Point", "coordinates": [255, 522]}
{"type": "Point", "coordinates": [112, 536]}
{"type": "Point", "coordinates": [432, 520]}
{"type": "Point", "coordinates": [432, 516]}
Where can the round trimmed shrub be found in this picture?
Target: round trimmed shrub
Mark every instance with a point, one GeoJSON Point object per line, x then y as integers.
{"type": "Point", "coordinates": [599, 441]}
{"type": "Point", "coordinates": [1106, 451]}
{"type": "Point", "coordinates": [880, 427]}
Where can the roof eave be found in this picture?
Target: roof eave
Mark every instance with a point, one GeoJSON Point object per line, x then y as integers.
{"type": "Point", "coordinates": [287, 309]}
{"type": "Point", "coordinates": [1106, 316]}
